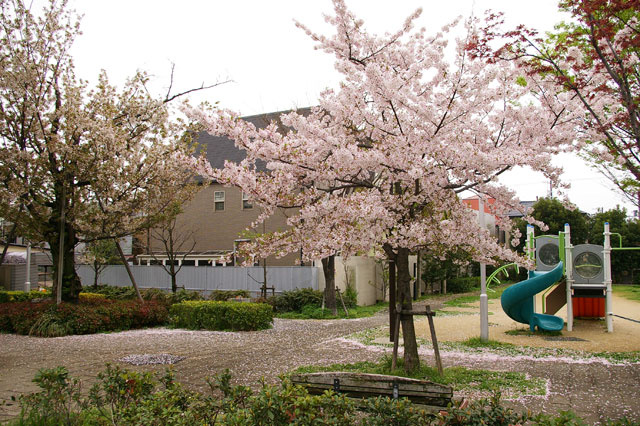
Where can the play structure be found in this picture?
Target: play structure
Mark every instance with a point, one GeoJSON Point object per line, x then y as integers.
{"type": "Point", "coordinates": [587, 286]}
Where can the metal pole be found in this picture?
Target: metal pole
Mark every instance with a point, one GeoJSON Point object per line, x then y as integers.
{"type": "Point", "coordinates": [27, 283]}
{"type": "Point", "coordinates": [484, 300]}
{"type": "Point", "coordinates": [531, 251]}
{"type": "Point", "coordinates": [606, 253]}
{"type": "Point", "coordinates": [568, 260]}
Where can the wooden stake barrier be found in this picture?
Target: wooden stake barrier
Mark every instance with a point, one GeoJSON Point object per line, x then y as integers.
{"type": "Point", "coordinates": [430, 314]}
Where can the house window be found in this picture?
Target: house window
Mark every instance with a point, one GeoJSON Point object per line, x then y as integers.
{"type": "Point", "coordinates": [218, 200]}
{"type": "Point", "coordinates": [246, 203]}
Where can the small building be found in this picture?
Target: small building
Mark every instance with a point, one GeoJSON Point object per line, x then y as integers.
{"type": "Point", "coordinates": [13, 271]}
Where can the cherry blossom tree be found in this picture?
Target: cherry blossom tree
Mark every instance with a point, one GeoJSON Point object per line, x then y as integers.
{"type": "Point", "coordinates": [78, 163]}
{"type": "Point", "coordinates": [377, 167]}
{"type": "Point", "coordinates": [594, 62]}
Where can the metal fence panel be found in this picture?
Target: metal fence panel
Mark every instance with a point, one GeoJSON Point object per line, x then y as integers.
{"type": "Point", "coordinates": [207, 278]}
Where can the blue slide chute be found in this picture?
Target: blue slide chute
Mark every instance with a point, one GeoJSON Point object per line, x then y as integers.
{"type": "Point", "coordinates": [517, 300]}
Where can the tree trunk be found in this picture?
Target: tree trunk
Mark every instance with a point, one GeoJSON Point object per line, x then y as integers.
{"type": "Point", "coordinates": [173, 273]}
{"type": "Point", "coordinates": [393, 292]}
{"type": "Point", "coordinates": [71, 285]}
{"type": "Point", "coordinates": [96, 272]}
{"type": "Point", "coordinates": [329, 269]}
{"type": "Point", "coordinates": [411, 358]}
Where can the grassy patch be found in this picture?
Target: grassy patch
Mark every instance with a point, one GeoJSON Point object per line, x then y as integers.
{"type": "Point", "coordinates": [453, 313]}
{"type": "Point", "coordinates": [513, 384]}
{"type": "Point", "coordinates": [630, 292]}
{"type": "Point", "coordinates": [310, 312]}
{"type": "Point", "coordinates": [464, 301]}
{"type": "Point", "coordinates": [476, 342]}
{"type": "Point", "coordinates": [619, 357]}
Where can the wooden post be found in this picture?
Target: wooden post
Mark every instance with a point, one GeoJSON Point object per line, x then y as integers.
{"type": "Point", "coordinates": [396, 333]}
{"type": "Point", "coordinates": [126, 266]}
{"type": "Point", "coordinates": [396, 338]}
{"type": "Point", "coordinates": [434, 339]}
{"type": "Point", "coordinates": [342, 300]}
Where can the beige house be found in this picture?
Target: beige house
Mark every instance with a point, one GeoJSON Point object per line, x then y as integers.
{"type": "Point", "coordinates": [217, 217]}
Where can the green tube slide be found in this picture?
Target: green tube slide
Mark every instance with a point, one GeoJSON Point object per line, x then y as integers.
{"type": "Point", "coordinates": [517, 300]}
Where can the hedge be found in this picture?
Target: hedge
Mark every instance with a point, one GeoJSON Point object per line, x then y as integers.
{"type": "Point", "coordinates": [462, 284]}
{"type": "Point", "coordinates": [223, 295]}
{"type": "Point", "coordinates": [214, 315]}
{"type": "Point", "coordinates": [46, 319]}
{"type": "Point", "coordinates": [22, 296]}
{"type": "Point", "coordinates": [296, 300]}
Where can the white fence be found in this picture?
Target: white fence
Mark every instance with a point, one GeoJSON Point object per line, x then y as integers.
{"type": "Point", "coordinates": [207, 278]}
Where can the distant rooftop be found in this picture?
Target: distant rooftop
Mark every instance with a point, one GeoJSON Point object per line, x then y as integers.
{"type": "Point", "coordinates": [220, 148]}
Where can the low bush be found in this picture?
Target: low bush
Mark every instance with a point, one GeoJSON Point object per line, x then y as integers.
{"type": "Point", "coordinates": [213, 315]}
{"type": "Point", "coordinates": [296, 300]}
{"type": "Point", "coordinates": [22, 296]}
{"type": "Point", "coordinates": [126, 397]}
{"type": "Point", "coordinates": [350, 297]}
{"type": "Point", "coordinates": [169, 298]}
{"type": "Point", "coordinates": [161, 296]}
{"type": "Point", "coordinates": [46, 319]}
{"type": "Point", "coordinates": [115, 293]}
{"type": "Point", "coordinates": [90, 297]}
{"type": "Point", "coordinates": [462, 284]}
{"type": "Point", "coordinates": [223, 295]}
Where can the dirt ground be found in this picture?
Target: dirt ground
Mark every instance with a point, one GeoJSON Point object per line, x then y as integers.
{"type": "Point", "coordinates": [587, 334]}
{"type": "Point", "coordinates": [596, 390]}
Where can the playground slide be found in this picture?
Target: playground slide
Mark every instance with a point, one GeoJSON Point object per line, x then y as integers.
{"type": "Point", "coordinates": [517, 300]}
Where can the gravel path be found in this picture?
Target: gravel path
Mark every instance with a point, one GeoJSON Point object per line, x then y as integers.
{"type": "Point", "coordinates": [594, 390]}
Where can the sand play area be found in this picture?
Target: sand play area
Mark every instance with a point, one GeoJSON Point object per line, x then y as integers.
{"type": "Point", "coordinates": [457, 323]}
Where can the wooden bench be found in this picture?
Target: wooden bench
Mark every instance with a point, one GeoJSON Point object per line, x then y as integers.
{"type": "Point", "coordinates": [427, 394]}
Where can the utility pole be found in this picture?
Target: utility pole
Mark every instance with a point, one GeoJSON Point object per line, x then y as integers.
{"type": "Point", "coordinates": [484, 300]}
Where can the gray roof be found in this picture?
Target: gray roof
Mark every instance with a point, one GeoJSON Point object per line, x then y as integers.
{"type": "Point", "coordinates": [527, 206]}
{"type": "Point", "coordinates": [220, 148]}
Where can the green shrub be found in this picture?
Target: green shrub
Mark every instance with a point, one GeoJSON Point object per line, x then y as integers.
{"type": "Point", "coordinates": [21, 296]}
{"type": "Point", "coordinates": [484, 412]}
{"type": "Point", "coordinates": [55, 404]}
{"type": "Point", "coordinates": [295, 300]}
{"type": "Point", "coordinates": [87, 297]}
{"type": "Point", "coordinates": [115, 293]}
{"type": "Point", "coordinates": [169, 298]}
{"type": "Point", "coordinates": [184, 295]}
{"type": "Point", "coordinates": [223, 295]}
{"type": "Point", "coordinates": [462, 284]}
{"type": "Point", "coordinates": [126, 397]}
{"type": "Point", "coordinates": [212, 315]}
{"type": "Point", "coordinates": [350, 297]}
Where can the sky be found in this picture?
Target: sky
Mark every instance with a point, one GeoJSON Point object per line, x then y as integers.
{"type": "Point", "coordinates": [273, 65]}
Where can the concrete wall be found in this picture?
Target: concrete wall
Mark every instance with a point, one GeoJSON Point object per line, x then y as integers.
{"type": "Point", "coordinates": [367, 275]}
